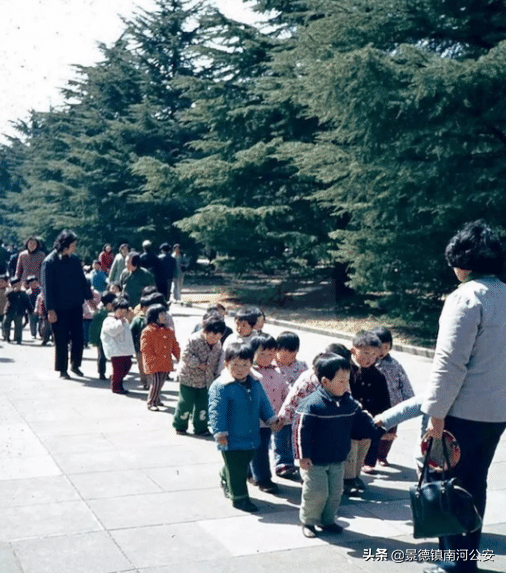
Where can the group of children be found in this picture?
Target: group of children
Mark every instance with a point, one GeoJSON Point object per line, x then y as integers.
{"type": "Point", "coordinates": [321, 417]}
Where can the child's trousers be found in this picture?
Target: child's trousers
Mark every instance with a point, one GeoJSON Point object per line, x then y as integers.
{"type": "Point", "coordinates": [235, 472]}
{"type": "Point", "coordinates": [18, 327]}
{"type": "Point", "coordinates": [156, 382]}
{"type": "Point", "coordinates": [283, 451]}
{"type": "Point", "coordinates": [260, 467]}
{"type": "Point", "coordinates": [192, 402]}
{"type": "Point", "coordinates": [120, 368]}
{"type": "Point", "coordinates": [355, 459]}
{"type": "Point", "coordinates": [322, 489]}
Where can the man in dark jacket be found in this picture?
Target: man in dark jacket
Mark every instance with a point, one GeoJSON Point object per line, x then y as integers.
{"type": "Point", "coordinates": [167, 268]}
{"type": "Point", "coordinates": [65, 289]}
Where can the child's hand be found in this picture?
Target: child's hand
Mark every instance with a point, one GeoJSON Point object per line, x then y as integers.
{"type": "Point", "coordinates": [202, 366]}
{"type": "Point", "coordinates": [378, 421]}
{"type": "Point", "coordinates": [277, 425]}
{"type": "Point", "coordinates": [305, 463]}
{"type": "Point", "coordinates": [222, 440]}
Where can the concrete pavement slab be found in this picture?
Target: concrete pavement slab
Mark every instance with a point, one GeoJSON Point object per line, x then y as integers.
{"type": "Point", "coordinates": [106, 484]}
{"type": "Point", "coordinates": [28, 467]}
{"type": "Point", "coordinates": [36, 491]}
{"type": "Point", "coordinates": [8, 559]}
{"type": "Point", "coordinates": [82, 553]}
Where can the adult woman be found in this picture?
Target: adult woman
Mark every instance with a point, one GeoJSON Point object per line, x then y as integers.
{"type": "Point", "coordinates": [118, 265]}
{"type": "Point", "coordinates": [467, 389]}
{"type": "Point", "coordinates": [106, 258]}
{"type": "Point", "coordinates": [30, 260]}
{"type": "Point", "coordinates": [179, 270]}
{"type": "Point", "coordinates": [65, 289]}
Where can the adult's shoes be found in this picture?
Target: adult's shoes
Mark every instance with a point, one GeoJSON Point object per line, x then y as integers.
{"type": "Point", "coordinates": [332, 528]}
{"type": "Point", "coordinates": [64, 375]}
{"type": "Point", "coordinates": [245, 505]}
{"type": "Point", "coordinates": [76, 371]}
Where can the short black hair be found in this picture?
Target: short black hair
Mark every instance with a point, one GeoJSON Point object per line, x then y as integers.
{"type": "Point", "coordinates": [95, 262]}
{"type": "Point", "coordinates": [383, 334]}
{"type": "Point", "coordinates": [238, 350]}
{"type": "Point", "coordinates": [214, 323]}
{"type": "Point", "coordinates": [147, 290]}
{"type": "Point", "coordinates": [64, 240]}
{"type": "Point", "coordinates": [248, 315]}
{"type": "Point", "coordinates": [215, 307]}
{"type": "Point", "coordinates": [258, 312]}
{"type": "Point", "coordinates": [288, 340]}
{"type": "Point", "coordinates": [107, 297]}
{"type": "Point", "coordinates": [328, 364]}
{"type": "Point", "coordinates": [339, 349]}
{"type": "Point", "coordinates": [156, 298]}
{"type": "Point", "coordinates": [153, 312]}
{"type": "Point", "coordinates": [4, 277]}
{"type": "Point", "coordinates": [476, 248]}
{"type": "Point", "coordinates": [366, 338]}
{"type": "Point", "coordinates": [31, 278]}
{"type": "Point", "coordinates": [121, 302]}
{"type": "Point", "coordinates": [135, 259]}
{"type": "Point", "coordinates": [165, 248]}
{"type": "Point", "coordinates": [265, 341]}
{"type": "Point", "coordinates": [14, 280]}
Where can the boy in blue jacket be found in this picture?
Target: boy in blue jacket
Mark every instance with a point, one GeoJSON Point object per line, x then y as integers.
{"type": "Point", "coordinates": [237, 403]}
{"type": "Point", "coordinates": [325, 423]}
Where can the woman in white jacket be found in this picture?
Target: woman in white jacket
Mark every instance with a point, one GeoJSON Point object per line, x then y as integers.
{"type": "Point", "coordinates": [467, 388]}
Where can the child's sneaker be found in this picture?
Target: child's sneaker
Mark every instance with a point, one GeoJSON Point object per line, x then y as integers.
{"type": "Point", "coordinates": [268, 486]}
{"type": "Point", "coordinates": [245, 505]}
{"type": "Point", "coordinates": [309, 531]}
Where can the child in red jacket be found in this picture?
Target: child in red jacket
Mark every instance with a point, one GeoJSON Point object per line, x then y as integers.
{"type": "Point", "coordinates": [158, 345]}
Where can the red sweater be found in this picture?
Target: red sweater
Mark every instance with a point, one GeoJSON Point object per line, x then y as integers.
{"type": "Point", "coordinates": [158, 345]}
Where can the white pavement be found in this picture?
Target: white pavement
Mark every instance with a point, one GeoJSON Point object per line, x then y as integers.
{"type": "Point", "coordinates": [92, 482]}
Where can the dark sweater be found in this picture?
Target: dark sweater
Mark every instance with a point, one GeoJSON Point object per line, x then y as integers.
{"type": "Point", "coordinates": [63, 282]}
{"type": "Point", "coordinates": [18, 303]}
{"type": "Point", "coordinates": [324, 426]}
{"type": "Point", "coordinates": [369, 388]}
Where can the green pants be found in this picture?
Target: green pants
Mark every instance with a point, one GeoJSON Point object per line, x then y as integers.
{"type": "Point", "coordinates": [192, 402]}
{"type": "Point", "coordinates": [234, 474]}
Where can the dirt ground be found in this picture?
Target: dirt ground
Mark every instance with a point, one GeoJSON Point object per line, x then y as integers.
{"type": "Point", "coordinates": [311, 304]}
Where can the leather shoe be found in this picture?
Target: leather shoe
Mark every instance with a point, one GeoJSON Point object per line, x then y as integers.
{"type": "Point", "coordinates": [332, 528]}
{"type": "Point", "coordinates": [64, 375]}
{"type": "Point", "coordinates": [76, 371]}
{"type": "Point", "coordinates": [245, 505]}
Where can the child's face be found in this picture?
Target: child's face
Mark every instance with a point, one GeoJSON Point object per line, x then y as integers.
{"type": "Point", "coordinates": [285, 357]}
{"type": "Point", "coordinates": [384, 350]}
{"type": "Point", "coordinates": [34, 284]}
{"type": "Point", "coordinates": [121, 312]}
{"type": "Point", "coordinates": [96, 266]}
{"type": "Point", "coordinates": [243, 328]}
{"type": "Point", "coordinates": [162, 318]}
{"type": "Point", "coordinates": [114, 289]}
{"type": "Point", "coordinates": [16, 286]}
{"type": "Point", "coordinates": [3, 283]}
{"type": "Point", "coordinates": [264, 356]}
{"type": "Point", "coordinates": [239, 368]}
{"type": "Point", "coordinates": [339, 384]}
{"type": "Point", "coordinates": [365, 356]}
{"type": "Point", "coordinates": [109, 307]}
{"type": "Point", "coordinates": [259, 324]}
{"type": "Point", "coordinates": [212, 337]}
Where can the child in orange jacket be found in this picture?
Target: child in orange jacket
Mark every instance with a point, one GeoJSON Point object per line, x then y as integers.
{"type": "Point", "coordinates": [158, 345]}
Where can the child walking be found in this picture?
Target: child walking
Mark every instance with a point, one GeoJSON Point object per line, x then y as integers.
{"type": "Point", "coordinates": [198, 369]}
{"type": "Point", "coordinates": [118, 344]}
{"type": "Point", "coordinates": [237, 403]}
{"type": "Point", "coordinates": [399, 386]}
{"type": "Point", "coordinates": [158, 345]}
{"type": "Point", "coordinates": [18, 306]}
{"type": "Point", "coordinates": [325, 422]}
{"type": "Point", "coordinates": [264, 348]}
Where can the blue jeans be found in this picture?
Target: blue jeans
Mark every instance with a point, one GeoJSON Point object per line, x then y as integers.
{"type": "Point", "coordinates": [259, 467]}
{"type": "Point", "coordinates": [283, 451]}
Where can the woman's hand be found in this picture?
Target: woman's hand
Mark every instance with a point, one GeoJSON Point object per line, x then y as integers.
{"type": "Point", "coordinates": [305, 463]}
{"type": "Point", "coordinates": [435, 428]}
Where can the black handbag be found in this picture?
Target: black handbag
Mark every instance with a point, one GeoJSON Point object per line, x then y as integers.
{"type": "Point", "coordinates": [441, 507]}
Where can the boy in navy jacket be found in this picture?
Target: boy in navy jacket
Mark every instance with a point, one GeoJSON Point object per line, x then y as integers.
{"type": "Point", "coordinates": [324, 424]}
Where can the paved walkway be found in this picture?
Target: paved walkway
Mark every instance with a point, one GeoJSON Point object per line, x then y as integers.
{"type": "Point", "coordinates": [92, 482]}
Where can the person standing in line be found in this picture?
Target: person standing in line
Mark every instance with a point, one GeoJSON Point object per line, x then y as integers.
{"type": "Point", "coordinates": [65, 289]}
{"type": "Point", "coordinates": [179, 270]}
{"type": "Point", "coordinates": [167, 269]}
{"type": "Point", "coordinates": [18, 306]}
{"type": "Point", "coordinates": [106, 258]}
{"type": "Point", "coordinates": [118, 264]}
{"type": "Point", "coordinates": [134, 278]}
{"type": "Point", "coordinates": [29, 262]}
{"type": "Point", "coordinates": [467, 387]}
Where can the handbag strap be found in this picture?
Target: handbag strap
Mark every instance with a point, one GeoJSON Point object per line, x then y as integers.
{"type": "Point", "coordinates": [425, 469]}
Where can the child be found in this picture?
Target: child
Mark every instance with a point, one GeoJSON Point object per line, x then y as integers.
{"type": "Point", "coordinates": [115, 288]}
{"type": "Point", "coordinates": [369, 388]}
{"type": "Point", "coordinates": [107, 301]}
{"type": "Point", "coordinates": [89, 309]}
{"type": "Point", "coordinates": [221, 311]}
{"type": "Point", "coordinates": [18, 305]}
{"type": "Point", "coordinates": [33, 292]}
{"type": "Point", "coordinates": [237, 403]}
{"type": "Point", "coordinates": [45, 330]}
{"type": "Point", "coordinates": [158, 345]}
{"type": "Point", "coordinates": [276, 388]}
{"type": "Point", "coordinates": [399, 387]}
{"type": "Point", "coordinates": [199, 367]}
{"type": "Point", "coordinates": [136, 326]}
{"type": "Point", "coordinates": [259, 324]}
{"type": "Point", "coordinates": [324, 425]}
{"type": "Point", "coordinates": [245, 320]}
{"type": "Point", "coordinates": [118, 344]}
{"type": "Point", "coordinates": [287, 346]}
{"type": "Point", "coordinates": [98, 277]}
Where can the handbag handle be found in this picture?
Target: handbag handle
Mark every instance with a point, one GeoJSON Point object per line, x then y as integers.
{"type": "Point", "coordinates": [425, 467]}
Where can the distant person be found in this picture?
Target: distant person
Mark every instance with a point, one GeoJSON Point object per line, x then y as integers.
{"type": "Point", "coordinates": [118, 264]}
{"type": "Point", "coordinates": [4, 259]}
{"type": "Point", "coordinates": [4, 283]}
{"type": "Point", "coordinates": [18, 306]}
{"type": "Point", "coordinates": [180, 269]}
{"type": "Point", "coordinates": [150, 261]}
{"type": "Point", "coordinates": [33, 292]}
{"type": "Point", "coordinates": [106, 258]}
{"type": "Point", "coordinates": [167, 270]}
{"type": "Point", "coordinates": [134, 278]}
{"type": "Point", "coordinates": [107, 301]}
{"type": "Point", "coordinates": [65, 289]}
{"type": "Point", "coordinates": [13, 261]}
{"type": "Point", "coordinates": [30, 261]}
{"type": "Point", "coordinates": [98, 277]}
